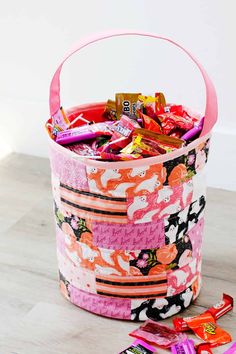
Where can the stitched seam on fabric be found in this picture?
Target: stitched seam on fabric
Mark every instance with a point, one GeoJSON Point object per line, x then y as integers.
{"type": "Point", "coordinates": [94, 210]}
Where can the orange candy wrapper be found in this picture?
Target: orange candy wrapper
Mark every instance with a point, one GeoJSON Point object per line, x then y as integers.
{"type": "Point", "coordinates": [160, 102]}
{"type": "Point", "coordinates": [218, 310]}
{"type": "Point", "coordinates": [126, 103]}
{"type": "Point", "coordinates": [150, 123]}
{"type": "Point", "coordinates": [110, 110]}
{"type": "Point", "coordinates": [164, 140]}
{"type": "Point", "coordinates": [205, 328]}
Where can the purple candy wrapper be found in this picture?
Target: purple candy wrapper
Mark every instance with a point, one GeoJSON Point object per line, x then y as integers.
{"type": "Point", "coordinates": [194, 131]}
{"type": "Point", "coordinates": [232, 349]}
{"type": "Point", "coordinates": [139, 347]}
{"type": "Point", "coordinates": [84, 132]}
{"type": "Point", "coordinates": [185, 347]}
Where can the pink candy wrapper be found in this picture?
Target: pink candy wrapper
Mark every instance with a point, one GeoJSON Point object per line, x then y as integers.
{"type": "Point", "coordinates": [81, 149]}
{"type": "Point", "coordinates": [139, 347]}
{"type": "Point", "coordinates": [124, 129]}
{"type": "Point", "coordinates": [158, 334]}
{"type": "Point", "coordinates": [185, 347]}
{"type": "Point", "coordinates": [232, 349]}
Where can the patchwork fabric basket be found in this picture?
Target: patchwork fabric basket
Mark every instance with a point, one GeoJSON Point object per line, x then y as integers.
{"type": "Point", "coordinates": [129, 233]}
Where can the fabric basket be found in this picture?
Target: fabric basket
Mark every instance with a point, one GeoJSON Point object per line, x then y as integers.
{"type": "Point", "coordinates": [129, 234]}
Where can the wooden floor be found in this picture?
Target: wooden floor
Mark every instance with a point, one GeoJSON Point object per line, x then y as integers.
{"type": "Point", "coordinates": [34, 318]}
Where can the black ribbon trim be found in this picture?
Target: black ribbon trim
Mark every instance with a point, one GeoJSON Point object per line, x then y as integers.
{"type": "Point", "coordinates": [147, 296]}
{"type": "Point", "coordinates": [89, 194]}
{"type": "Point", "coordinates": [163, 281]}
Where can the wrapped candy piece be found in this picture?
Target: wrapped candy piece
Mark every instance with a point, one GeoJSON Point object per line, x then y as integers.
{"type": "Point", "coordinates": [160, 102]}
{"type": "Point", "coordinates": [180, 324]}
{"type": "Point", "coordinates": [177, 133]}
{"type": "Point", "coordinates": [139, 347]}
{"type": "Point", "coordinates": [147, 100]}
{"type": "Point", "coordinates": [232, 349]}
{"type": "Point", "coordinates": [99, 142]}
{"type": "Point", "coordinates": [60, 120]}
{"type": "Point", "coordinates": [204, 326]}
{"type": "Point", "coordinates": [150, 123]}
{"type": "Point", "coordinates": [142, 146]}
{"type": "Point", "coordinates": [194, 131]}
{"type": "Point", "coordinates": [147, 146]}
{"type": "Point", "coordinates": [160, 138]}
{"type": "Point", "coordinates": [204, 348]}
{"type": "Point", "coordinates": [147, 105]}
{"type": "Point", "coordinates": [158, 334]}
{"type": "Point", "coordinates": [124, 129]}
{"type": "Point", "coordinates": [218, 310]}
{"type": "Point", "coordinates": [171, 121]}
{"type": "Point", "coordinates": [222, 307]}
{"type": "Point", "coordinates": [84, 132]}
{"type": "Point", "coordinates": [126, 103]}
{"type": "Point", "coordinates": [82, 149]}
{"type": "Point", "coordinates": [171, 108]}
{"type": "Point", "coordinates": [184, 347]}
{"type": "Point", "coordinates": [114, 145]}
{"type": "Point", "coordinates": [110, 110]}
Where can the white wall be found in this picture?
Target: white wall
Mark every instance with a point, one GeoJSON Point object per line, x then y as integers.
{"type": "Point", "coordinates": [35, 35]}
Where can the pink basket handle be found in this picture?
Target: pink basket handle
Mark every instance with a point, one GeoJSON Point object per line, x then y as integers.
{"type": "Point", "coordinates": [211, 99]}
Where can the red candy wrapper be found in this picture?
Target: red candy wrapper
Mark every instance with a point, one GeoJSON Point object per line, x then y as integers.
{"type": "Point", "coordinates": [158, 334]}
{"type": "Point", "coordinates": [150, 123]}
{"type": "Point", "coordinates": [173, 108]}
{"type": "Point", "coordinates": [177, 133]}
{"type": "Point", "coordinates": [204, 348]}
{"type": "Point", "coordinates": [180, 324]}
{"type": "Point", "coordinates": [185, 347]}
{"type": "Point", "coordinates": [205, 328]}
{"type": "Point", "coordinates": [171, 121]}
{"type": "Point", "coordinates": [224, 306]}
{"type": "Point", "coordinates": [218, 310]}
{"type": "Point", "coordinates": [147, 105]}
{"type": "Point", "coordinates": [144, 147]}
{"type": "Point", "coordinates": [113, 145]}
